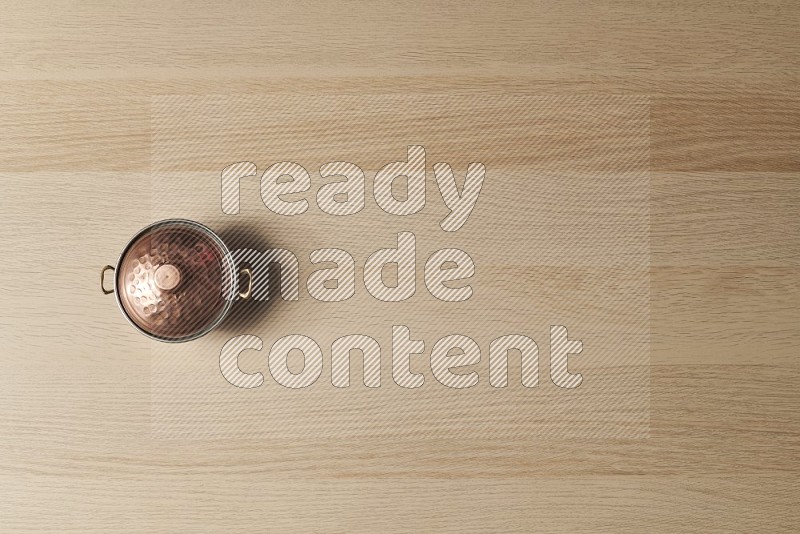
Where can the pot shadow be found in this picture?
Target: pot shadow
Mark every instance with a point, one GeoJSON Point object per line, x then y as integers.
{"type": "Point", "coordinates": [245, 314]}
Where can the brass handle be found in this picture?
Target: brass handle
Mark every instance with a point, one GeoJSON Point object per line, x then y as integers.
{"type": "Point", "coordinates": [103, 279]}
{"type": "Point", "coordinates": [244, 295]}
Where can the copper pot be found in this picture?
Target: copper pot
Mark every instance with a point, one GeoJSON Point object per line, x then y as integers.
{"type": "Point", "coordinates": [176, 280]}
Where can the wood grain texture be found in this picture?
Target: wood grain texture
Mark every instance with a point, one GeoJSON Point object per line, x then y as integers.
{"type": "Point", "coordinates": [76, 86]}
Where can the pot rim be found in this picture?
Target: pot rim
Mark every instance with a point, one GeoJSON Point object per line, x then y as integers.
{"type": "Point", "coordinates": [227, 257]}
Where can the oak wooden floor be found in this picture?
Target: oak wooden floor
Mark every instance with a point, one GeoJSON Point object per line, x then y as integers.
{"type": "Point", "coordinates": [723, 454]}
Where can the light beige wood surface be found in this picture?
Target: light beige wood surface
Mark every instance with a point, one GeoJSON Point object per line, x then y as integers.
{"type": "Point", "coordinates": [77, 448]}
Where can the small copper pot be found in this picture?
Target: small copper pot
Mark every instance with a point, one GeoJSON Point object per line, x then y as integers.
{"type": "Point", "coordinates": [176, 280]}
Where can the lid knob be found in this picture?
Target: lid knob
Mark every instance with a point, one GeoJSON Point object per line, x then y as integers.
{"type": "Point", "coordinates": [167, 277]}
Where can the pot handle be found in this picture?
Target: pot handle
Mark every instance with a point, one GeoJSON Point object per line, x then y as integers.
{"type": "Point", "coordinates": [244, 295]}
{"type": "Point", "coordinates": [103, 279]}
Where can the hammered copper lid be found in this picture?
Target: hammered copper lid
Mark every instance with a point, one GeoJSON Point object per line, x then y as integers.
{"type": "Point", "coordinates": [174, 280]}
